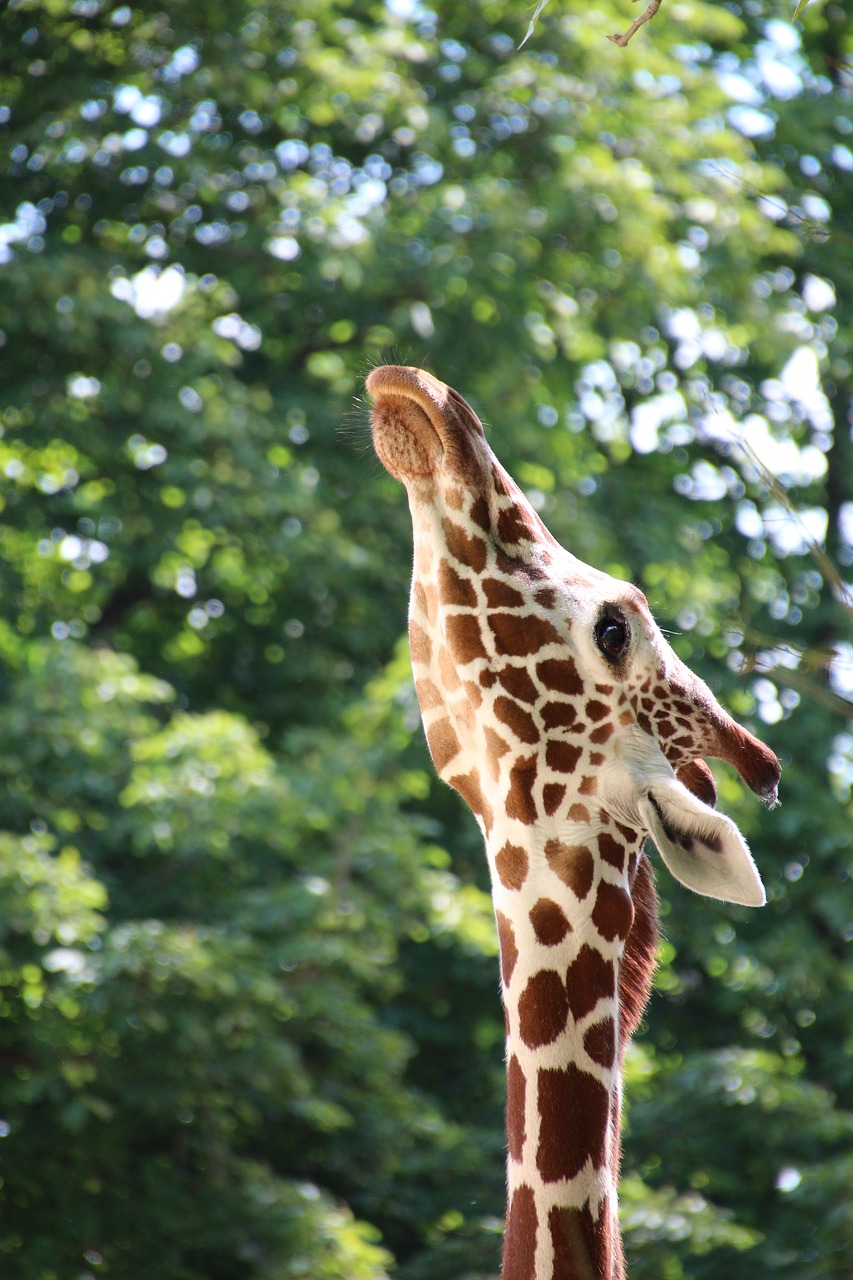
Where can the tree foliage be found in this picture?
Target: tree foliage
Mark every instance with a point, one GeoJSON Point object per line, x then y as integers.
{"type": "Point", "coordinates": [249, 995]}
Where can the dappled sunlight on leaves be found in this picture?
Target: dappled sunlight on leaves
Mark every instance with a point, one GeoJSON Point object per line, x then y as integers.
{"type": "Point", "coordinates": [251, 1020]}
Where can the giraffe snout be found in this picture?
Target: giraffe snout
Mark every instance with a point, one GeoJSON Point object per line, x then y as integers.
{"type": "Point", "coordinates": [755, 762]}
{"type": "Point", "coordinates": [421, 427]}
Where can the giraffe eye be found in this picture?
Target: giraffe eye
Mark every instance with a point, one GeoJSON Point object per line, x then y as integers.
{"type": "Point", "coordinates": [612, 634]}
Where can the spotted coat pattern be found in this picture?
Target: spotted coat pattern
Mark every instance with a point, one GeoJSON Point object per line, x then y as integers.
{"type": "Point", "coordinates": [536, 714]}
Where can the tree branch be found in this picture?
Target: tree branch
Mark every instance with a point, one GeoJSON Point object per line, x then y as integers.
{"type": "Point", "coordinates": [636, 24]}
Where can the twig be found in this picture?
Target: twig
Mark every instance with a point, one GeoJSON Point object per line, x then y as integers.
{"type": "Point", "coordinates": [824, 562]}
{"type": "Point", "coordinates": [827, 566]}
{"type": "Point", "coordinates": [801, 683]}
{"type": "Point", "coordinates": [792, 217]}
{"type": "Point", "coordinates": [636, 24]}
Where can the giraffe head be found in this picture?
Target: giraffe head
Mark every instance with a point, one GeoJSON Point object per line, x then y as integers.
{"type": "Point", "coordinates": [548, 691]}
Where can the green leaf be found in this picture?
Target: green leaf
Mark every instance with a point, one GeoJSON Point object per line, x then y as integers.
{"type": "Point", "coordinates": [536, 12]}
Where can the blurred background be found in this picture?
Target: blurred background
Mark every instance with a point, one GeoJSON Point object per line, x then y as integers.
{"type": "Point", "coordinates": [248, 975]}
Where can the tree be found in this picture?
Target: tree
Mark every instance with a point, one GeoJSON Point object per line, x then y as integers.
{"type": "Point", "coordinates": [251, 1023]}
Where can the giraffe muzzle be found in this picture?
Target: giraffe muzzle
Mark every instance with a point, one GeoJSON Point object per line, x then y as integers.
{"type": "Point", "coordinates": [757, 765]}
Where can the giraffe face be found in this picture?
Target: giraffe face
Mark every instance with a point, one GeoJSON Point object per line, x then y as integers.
{"type": "Point", "coordinates": [546, 687]}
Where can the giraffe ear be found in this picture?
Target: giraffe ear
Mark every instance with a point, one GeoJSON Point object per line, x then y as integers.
{"type": "Point", "coordinates": [702, 848]}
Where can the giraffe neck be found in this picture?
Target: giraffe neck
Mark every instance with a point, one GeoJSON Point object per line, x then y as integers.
{"type": "Point", "coordinates": [565, 914]}
{"type": "Point", "coordinates": [554, 705]}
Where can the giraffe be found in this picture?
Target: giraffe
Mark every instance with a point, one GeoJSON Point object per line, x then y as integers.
{"type": "Point", "coordinates": [555, 707]}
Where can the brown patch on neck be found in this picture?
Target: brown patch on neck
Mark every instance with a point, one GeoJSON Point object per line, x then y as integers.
{"type": "Point", "coordinates": [600, 1042]}
{"type": "Point", "coordinates": [552, 796]}
{"type": "Point", "coordinates": [454, 589]}
{"type": "Point", "coordinates": [613, 913]}
{"type": "Point", "coordinates": [520, 803]}
{"type": "Point", "coordinates": [543, 1009]}
{"type": "Point", "coordinates": [581, 1244]}
{"type": "Point", "coordinates": [420, 644]}
{"type": "Point", "coordinates": [514, 525]}
{"type": "Point", "coordinates": [443, 743]}
{"type": "Point", "coordinates": [590, 979]}
{"type": "Point", "coordinates": [511, 864]}
{"type": "Point", "coordinates": [509, 950]}
{"type": "Point", "coordinates": [549, 922]}
{"type": "Point", "coordinates": [468, 786]}
{"type": "Point", "coordinates": [495, 748]}
{"type": "Point", "coordinates": [464, 638]}
{"type": "Point", "coordinates": [612, 851]}
{"type": "Point", "coordinates": [464, 549]}
{"type": "Point", "coordinates": [519, 1251]}
{"type": "Point", "coordinates": [500, 595]}
{"type": "Point", "coordinates": [573, 864]}
{"type": "Point", "coordinates": [574, 1110]}
{"type": "Point", "coordinates": [515, 1098]}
